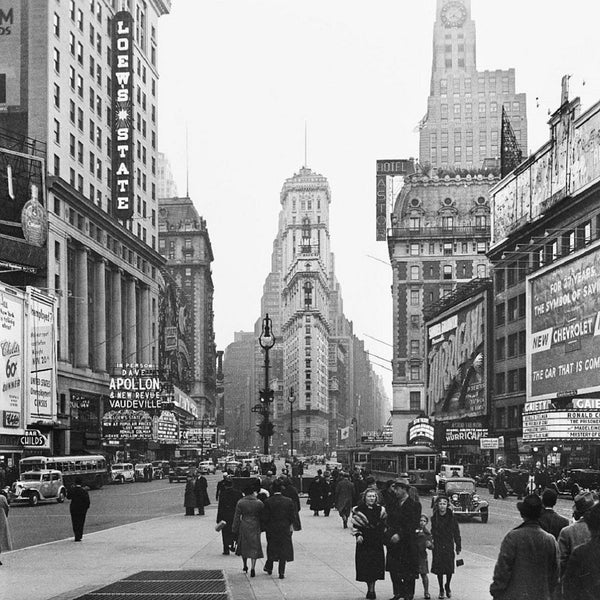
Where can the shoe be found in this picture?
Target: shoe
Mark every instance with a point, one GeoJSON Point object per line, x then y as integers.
{"type": "Point", "coordinates": [77, 539]}
{"type": "Point", "coordinates": [252, 572]}
{"type": "Point", "coordinates": [226, 552]}
{"type": "Point", "coordinates": [245, 569]}
{"type": "Point", "coordinates": [448, 592]}
{"type": "Point", "coordinates": [427, 596]}
{"type": "Point", "coordinates": [268, 571]}
{"type": "Point", "coordinates": [281, 576]}
{"type": "Point", "coordinates": [441, 594]}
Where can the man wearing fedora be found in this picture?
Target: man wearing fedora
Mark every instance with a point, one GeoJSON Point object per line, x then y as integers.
{"type": "Point", "coordinates": [581, 580]}
{"type": "Point", "coordinates": [578, 533]}
{"type": "Point", "coordinates": [402, 560]}
{"type": "Point", "coordinates": [527, 566]}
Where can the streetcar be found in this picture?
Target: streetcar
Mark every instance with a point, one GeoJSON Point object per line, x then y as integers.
{"type": "Point", "coordinates": [354, 457]}
{"type": "Point", "coordinates": [92, 468]}
{"type": "Point", "coordinates": [419, 463]}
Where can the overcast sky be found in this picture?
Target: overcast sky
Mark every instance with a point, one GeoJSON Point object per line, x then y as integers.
{"type": "Point", "coordinates": [245, 75]}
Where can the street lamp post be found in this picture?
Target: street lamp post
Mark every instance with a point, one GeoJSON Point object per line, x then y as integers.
{"type": "Point", "coordinates": [266, 341]}
{"type": "Point", "coordinates": [291, 400]}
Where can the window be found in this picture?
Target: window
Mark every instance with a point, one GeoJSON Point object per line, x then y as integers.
{"type": "Point", "coordinates": [512, 311]}
{"type": "Point", "coordinates": [80, 153]}
{"type": "Point", "coordinates": [80, 53]}
{"type": "Point", "coordinates": [500, 280]}
{"type": "Point", "coordinates": [72, 145]}
{"type": "Point", "coordinates": [56, 25]}
{"type": "Point", "coordinates": [415, 373]}
{"type": "Point", "coordinates": [500, 314]}
{"type": "Point", "coordinates": [80, 86]}
{"type": "Point", "coordinates": [80, 119]}
{"type": "Point", "coordinates": [56, 96]}
{"type": "Point", "coordinates": [415, 347]}
{"type": "Point", "coordinates": [482, 108]}
{"type": "Point", "coordinates": [415, 401]}
{"type": "Point", "coordinates": [447, 249]}
{"type": "Point", "coordinates": [56, 131]}
{"type": "Point", "coordinates": [414, 223]}
{"type": "Point", "coordinates": [414, 272]}
{"type": "Point", "coordinates": [56, 165]}
{"type": "Point", "coordinates": [447, 272]}
{"type": "Point", "coordinates": [415, 249]}
{"type": "Point", "coordinates": [500, 383]}
{"type": "Point", "coordinates": [72, 78]}
{"type": "Point", "coordinates": [414, 297]}
{"type": "Point", "coordinates": [481, 247]}
{"type": "Point", "coordinates": [444, 111]}
{"type": "Point", "coordinates": [80, 19]}
{"type": "Point", "coordinates": [512, 345]}
{"type": "Point", "coordinates": [447, 222]}
{"type": "Point", "coordinates": [493, 107]}
{"type": "Point", "coordinates": [415, 321]}
{"type": "Point", "coordinates": [500, 348]}
{"type": "Point", "coordinates": [513, 381]}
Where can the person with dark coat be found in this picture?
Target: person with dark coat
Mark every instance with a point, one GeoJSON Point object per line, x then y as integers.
{"type": "Point", "coordinates": [289, 491]}
{"type": "Point", "coordinates": [581, 580]}
{"type": "Point", "coordinates": [247, 526]}
{"type": "Point", "coordinates": [316, 493]}
{"type": "Point", "coordinates": [280, 519]}
{"type": "Point", "coordinates": [527, 566]}
{"type": "Point", "coordinates": [189, 497]}
{"type": "Point", "coordinates": [201, 491]}
{"type": "Point", "coordinates": [80, 503]}
{"type": "Point", "coordinates": [551, 521]}
{"type": "Point", "coordinates": [402, 560]}
{"type": "Point", "coordinates": [221, 484]}
{"type": "Point", "coordinates": [228, 499]}
{"type": "Point", "coordinates": [368, 524]}
{"type": "Point", "coordinates": [446, 536]}
{"type": "Point", "coordinates": [327, 494]}
{"type": "Point", "coordinates": [343, 498]}
{"type": "Point", "coordinates": [500, 485]}
{"type": "Point", "coordinates": [5, 537]}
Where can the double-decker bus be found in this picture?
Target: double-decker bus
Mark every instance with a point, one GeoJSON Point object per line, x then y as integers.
{"type": "Point", "coordinates": [91, 468]}
{"type": "Point", "coordinates": [420, 463]}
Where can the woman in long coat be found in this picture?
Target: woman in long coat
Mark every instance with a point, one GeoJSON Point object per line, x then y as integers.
{"type": "Point", "coordinates": [368, 522]}
{"type": "Point", "coordinates": [189, 497]}
{"type": "Point", "coordinates": [246, 526]}
{"type": "Point", "coordinates": [5, 537]}
{"type": "Point", "coordinates": [317, 492]}
{"type": "Point", "coordinates": [446, 535]}
{"type": "Point", "coordinates": [228, 500]}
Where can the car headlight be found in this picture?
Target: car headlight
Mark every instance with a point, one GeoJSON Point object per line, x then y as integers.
{"type": "Point", "coordinates": [475, 498]}
{"type": "Point", "coordinates": [454, 497]}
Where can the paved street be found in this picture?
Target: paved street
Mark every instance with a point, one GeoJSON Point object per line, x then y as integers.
{"type": "Point", "coordinates": [162, 538]}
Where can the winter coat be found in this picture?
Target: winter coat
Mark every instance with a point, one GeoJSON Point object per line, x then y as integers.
{"type": "Point", "coordinates": [5, 537]}
{"type": "Point", "coordinates": [289, 491]}
{"type": "Point", "coordinates": [189, 495]}
{"type": "Point", "coordinates": [369, 522]}
{"type": "Point", "coordinates": [80, 499]}
{"type": "Point", "coordinates": [344, 494]}
{"type": "Point", "coordinates": [279, 517]}
{"type": "Point", "coordinates": [581, 580]}
{"type": "Point", "coordinates": [228, 500]}
{"type": "Point", "coordinates": [569, 538]}
{"type": "Point", "coordinates": [552, 522]}
{"type": "Point", "coordinates": [246, 526]}
{"type": "Point", "coordinates": [446, 535]}
{"type": "Point", "coordinates": [201, 491]}
{"type": "Point", "coordinates": [527, 566]}
{"type": "Point", "coordinates": [317, 491]}
{"type": "Point", "coordinates": [403, 556]}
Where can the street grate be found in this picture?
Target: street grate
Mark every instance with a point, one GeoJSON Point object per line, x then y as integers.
{"type": "Point", "coordinates": [164, 585]}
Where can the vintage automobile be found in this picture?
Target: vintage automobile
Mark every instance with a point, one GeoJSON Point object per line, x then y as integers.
{"type": "Point", "coordinates": [180, 470]}
{"type": "Point", "coordinates": [38, 486]}
{"type": "Point", "coordinates": [122, 472]}
{"type": "Point", "coordinates": [207, 467]}
{"type": "Point", "coordinates": [160, 469]}
{"type": "Point", "coordinates": [515, 480]}
{"type": "Point", "coordinates": [139, 470]}
{"type": "Point", "coordinates": [463, 497]}
{"type": "Point", "coordinates": [578, 480]}
{"type": "Point", "coordinates": [482, 479]}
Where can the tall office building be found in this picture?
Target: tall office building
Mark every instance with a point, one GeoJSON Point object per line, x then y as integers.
{"type": "Point", "coordinates": [462, 127]}
{"type": "Point", "coordinates": [58, 83]}
{"type": "Point", "coordinates": [167, 187]}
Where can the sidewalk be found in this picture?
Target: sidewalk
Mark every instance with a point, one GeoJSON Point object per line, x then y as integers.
{"type": "Point", "coordinates": [323, 569]}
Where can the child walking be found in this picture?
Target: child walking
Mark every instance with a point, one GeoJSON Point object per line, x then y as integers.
{"type": "Point", "coordinates": [424, 542]}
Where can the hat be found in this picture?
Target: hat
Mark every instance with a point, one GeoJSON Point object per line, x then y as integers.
{"type": "Point", "coordinates": [584, 501]}
{"type": "Point", "coordinates": [401, 482]}
{"type": "Point", "coordinates": [531, 507]}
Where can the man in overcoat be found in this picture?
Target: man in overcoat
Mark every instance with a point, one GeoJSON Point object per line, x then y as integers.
{"type": "Point", "coordinates": [280, 519]}
{"type": "Point", "coordinates": [317, 491]}
{"type": "Point", "coordinates": [402, 559]}
{"type": "Point", "coordinates": [527, 566]}
{"type": "Point", "coordinates": [80, 502]}
{"type": "Point", "coordinates": [201, 491]}
{"type": "Point", "coordinates": [344, 495]}
{"type": "Point", "coordinates": [228, 498]}
{"type": "Point", "coordinates": [289, 491]}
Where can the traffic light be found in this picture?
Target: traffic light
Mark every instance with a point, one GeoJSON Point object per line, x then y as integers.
{"type": "Point", "coordinates": [265, 429]}
{"type": "Point", "coordinates": [266, 395]}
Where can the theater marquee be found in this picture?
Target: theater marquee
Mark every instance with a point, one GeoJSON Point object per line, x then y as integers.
{"type": "Point", "coordinates": [122, 106]}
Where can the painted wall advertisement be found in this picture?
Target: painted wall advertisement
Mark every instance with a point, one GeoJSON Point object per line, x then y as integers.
{"type": "Point", "coordinates": [563, 351]}
{"type": "Point", "coordinates": [42, 345]}
{"type": "Point", "coordinates": [457, 380]}
{"type": "Point", "coordinates": [12, 311]}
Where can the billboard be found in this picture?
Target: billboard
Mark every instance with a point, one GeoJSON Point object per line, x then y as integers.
{"type": "Point", "coordinates": [12, 353]}
{"type": "Point", "coordinates": [563, 327]}
{"type": "Point", "coordinates": [390, 176]}
{"type": "Point", "coordinates": [42, 357]}
{"type": "Point", "coordinates": [420, 431]}
{"type": "Point", "coordinates": [123, 117]}
{"type": "Point", "coordinates": [456, 361]}
{"type": "Point", "coordinates": [10, 52]}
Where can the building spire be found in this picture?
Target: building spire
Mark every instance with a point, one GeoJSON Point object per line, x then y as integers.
{"type": "Point", "coordinates": [305, 145]}
{"type": "Point", "coordinates": [187, 164]}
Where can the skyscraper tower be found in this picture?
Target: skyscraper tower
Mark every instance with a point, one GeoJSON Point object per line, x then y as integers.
{"type": "Point", "coordinates": [306, 260]}
{"type": "Point", "coordinates": [462, 127]}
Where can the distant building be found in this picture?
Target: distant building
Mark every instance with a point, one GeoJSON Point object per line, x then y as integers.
{"type": "Point", "coordinates": [185, 244]}
{"type": "Point", "coordinates": [167, 188]}
{"type": "Point", "coordinates": [462, 126]}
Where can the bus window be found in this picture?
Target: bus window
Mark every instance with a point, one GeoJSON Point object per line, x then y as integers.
{"type": "Point", "coordinates": [422, 463]}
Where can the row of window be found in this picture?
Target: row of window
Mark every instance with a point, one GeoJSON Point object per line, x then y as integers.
{"type": "Point", "coordinates": [447, 272]}
{"type": "Point", "coordinates": [512, 310]}
{"type": "Point", "coordinates": [481, 221]}
{"type": "Point", "coordinates": [447, 248]}
{"type": "Point", "coordinates": [492, 82]}
{"type": "Point", "coordinates": [511, 346]}
{"type": "Point", "coordinates": [511, 381]}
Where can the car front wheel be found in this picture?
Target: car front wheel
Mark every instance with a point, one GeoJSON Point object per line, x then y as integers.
{"type": "Point", "coordinates": [34, 499]}
{"type": "Point", "coordinates": [61, 497]}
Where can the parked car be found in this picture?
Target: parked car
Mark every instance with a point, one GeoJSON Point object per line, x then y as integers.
{"type": "Point", "coordinates": [162, 466]}
{"type": "Point", "coordinates": [463, 498]}
{"type": "Point", "coordinates": [578, 480]}
{"type": "Point", "coordinates": [179, 471]}
{"type": "Point", "coordinates": [38, 486]}
{"type": "Point", "coordinates": [139, 470]}
{"type": "Point", "coordinates": [207, 467]}
{"type": "Point", "coordinates": [515, 480]}
{"type": "Point", "coordinates": [122, 472]}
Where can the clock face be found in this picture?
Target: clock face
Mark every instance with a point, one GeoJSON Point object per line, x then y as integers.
{"type": "Point", "coordinates": [453, 14]}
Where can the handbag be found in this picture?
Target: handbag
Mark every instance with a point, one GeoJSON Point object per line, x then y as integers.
{"type": "Point", "coordinates": [220, 525]}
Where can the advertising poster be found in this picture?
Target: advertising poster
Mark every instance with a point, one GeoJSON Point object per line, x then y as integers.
{"type": "Point", "coordinates": [564, 328]}
{"type": "Point", "coordinates": [456, 364]}
{"type": "Point", "coordinates": [42, 353]}
{"type": "Point", "coordinates": [551, 420]}
{"type": "Point", "coordinates": [166, 428]}
{"type": "Point", "coordinates": [11, 360]}
{"type": "Point", "coordinates": [127, 425]}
